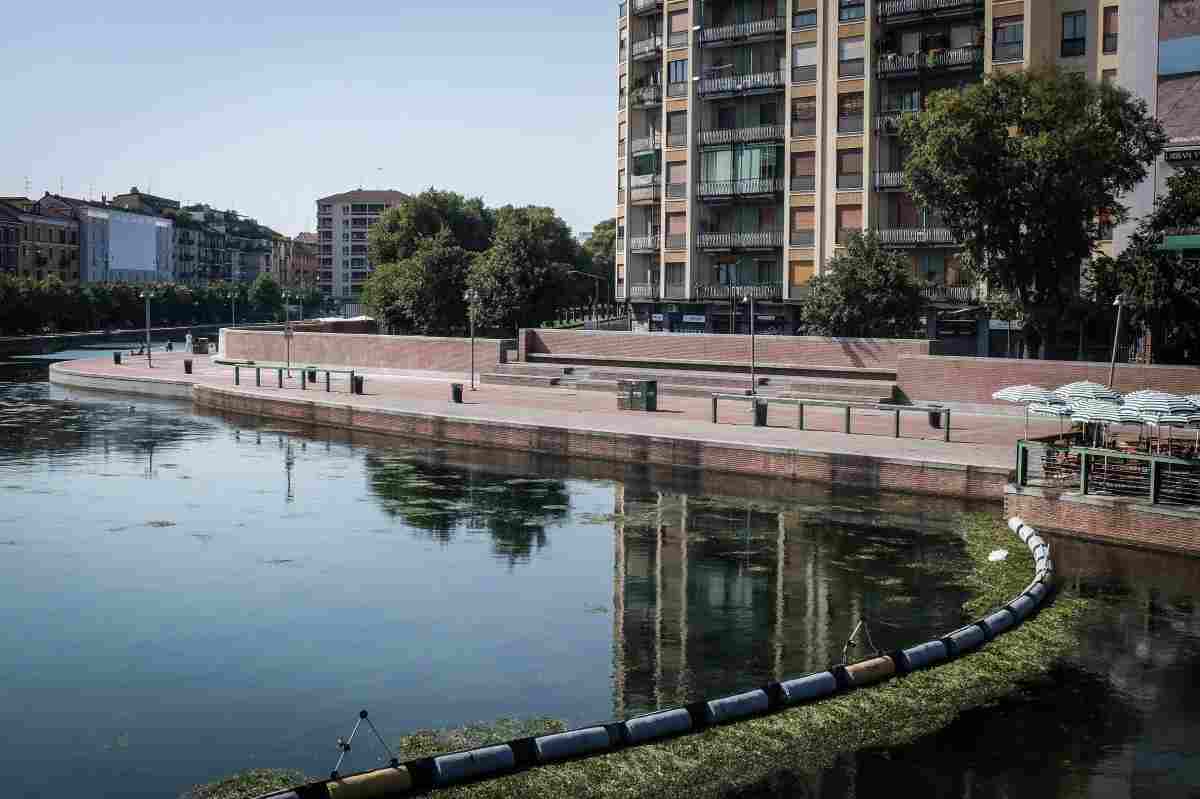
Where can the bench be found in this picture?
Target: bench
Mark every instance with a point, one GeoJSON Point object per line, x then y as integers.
{"type": "Point", "coordinates": [801, 402]}
{"type": "Point", "coordinates": [279, 369]}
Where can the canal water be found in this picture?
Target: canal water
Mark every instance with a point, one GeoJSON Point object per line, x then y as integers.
{"type": "Point", "coordinates": [187, 595]}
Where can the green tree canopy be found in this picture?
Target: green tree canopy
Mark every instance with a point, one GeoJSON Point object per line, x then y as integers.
{"type": "Point", "coordinates": [423, 293]}
{"type": "Point", "coordinates": [1161, 288]}
{"type": "Point", "coordinates": [1022, 168]}
{"type": "Point", "coordinates": [866, 292]}
{"type": "Point", "coordinates": [399, 230]}
{"type": "Point", "coordinates": [266, 296]}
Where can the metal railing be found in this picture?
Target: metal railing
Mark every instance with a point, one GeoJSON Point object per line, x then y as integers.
{"type": "Point", "coordinates": [1008, 51]}
{"type": "Point", "coordinates": [804, 74]}
{"type": "Point", "coordinates": [730, 84]}
{"type": "Point", "coordinates": [1158, 479]}
{"type": "Point", "coordinates": [939, 416]}
{"type": "Point", "coordinates": [677, 39]}
{"type": "Point", "coordinates": [645, 194]}
{"type": "Point", "coordinates": [899, 8]}
{"type": "Point", "coordinates": [729, 188]}
{"type": "Point", "coordinates": [677, 242]}
{"type": "Point", "coordinates": [888, 120]}
{"type": "Point", "coordinates": [850, 123]}
{"type": "Point", "coordinates": [915, 236]}
{"type": "Point", "coordinates": [850, 182]}
{"type": "Point", "coordinates": [805, 183]}
{"type": "Point", "coordinates": [676, 191]}
{"type": "Point", "coordinates": [646, 47]}
{"type": "Point", "coordinates": [743, 30]}
{"type": "Point", "coordinates": [803, 237]}
{"type": "Point", "coordinates": [742, 135]}
{"type": "Point", "coordinates": [969, 55]}
{"type": "Point", "coordinates": [643, 290]}
{"type": "Point", "coordinates": [677, 139]}
{"type": "Point", "coordinates": [897, 64]}
{"type": "Point", "coordinates": [647, 143]}
{"type": "Point", "coordinates": [852, 68]}
{"type": "Point", "coordinates": [677, 88]}
{"type": "Point", "coordinates": [759, 240]}
{"type": "Point", "coordinates": [889, 180]}
{"type": "Point", "coordinates": [638, 181]}
{"type": "Point", "coordinates": [951, 293]}
{"type": "Point", "coordinates": [646, 95]}
{"type": "Point", "coordinates": [675, 291]}
{"type": "Point", "coordinates": [757, 291]}
{"type": "Point", "coordinates": [644, 243]}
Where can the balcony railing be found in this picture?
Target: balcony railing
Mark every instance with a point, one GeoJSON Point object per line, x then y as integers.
{"type": "Point", "coordinates": [1074, 47]}
{"type": "Point", "coordinates": [804, 74]}
{"type": "Point", "coordinates": [889, 180]}
{"type": "Point", "coordinates": [677, 88]}
{"type": "Point", "coordinates": [804, 19]}
{"type": "Point", "coordinates": [803, 237]}
{"type": "Point", "coordinates": [805, 183]}
{"type": "Point", "coordinates": [646, 95]}
{"type": "Point", "coordinates": [1008, 51]}
{"type": "Point", "coordinates": [894, 64]}
{"type": "Point", "coordinates": [747, 186]}
{"type": "Point", "coordinates": [645, 48]}
{"type": "Point", "coordinates": [644, 243]}
{"type": "Point", "coordinates": [1110, 42]}
{"type": "Point", "coordinates": [676, 191]}
{"type": "Point", "coordinates": [742, 135]}
{"type": "Point", "coordinates": [970, 55]}
{"type": "Point", "coordinates": [900, 8]}
{"type": "Point", "coordinates": [675, 291]}
{"type": "Point", "coordinates": [757, 291]}
{"type": "Point", "coordinates": [850, 123]}
{"type": "Point", "coordinates": [677, 39]}
{"type": "Point", "coordinates": [758, 240]}
{"type": "Point", "coordinates": [620, 196]}
{"type": "Point", "coordinates": [951, 293]}
{"type": "Point", "coordinates": [732, 84]}
{"type": "Point", "coordinates": [852, 68]}
{"type": "Point", "coordinates": [645, 144]}
{"type": "Point", "coordinates": [915, 236]}
{"type": "Point", "coordinates": [888, 121]}
{"type": "Point", "coordinates": [644, 6]}
{"type": "Point", "coordinates": [676, 242]}
{"type": "Point", "coordinates": [743, 30]}
{"type": "Point", "coordinates": [620, 243]}
{"type": "Point", "coordinates": [645, 194]}
{"type": "Point", "coordinates": [645, 291]}
{"type": "Point", "coordinates": [850, 182]}
{"type": "Point", "coordinates": [638, 181]}
{"type": "Point", "coordinates": [677, 139]}
{"type": "Point", "coordinates": [804, 126]}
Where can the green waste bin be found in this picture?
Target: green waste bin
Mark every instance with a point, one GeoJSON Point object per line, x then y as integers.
{"type": "Point", "coordinates": [187, 366]}
{"type": "Point", "coordinates": [760, 413]}
{"type": "Point", "coordinates": [117, 358]}
{"type": "Point", "coordinates": [637, 395]}
{"type": "Point", "coordinates": [456, 393]}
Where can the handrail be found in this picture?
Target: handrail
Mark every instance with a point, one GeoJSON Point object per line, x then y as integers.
{"type": "Point", "coordinates": [801, 402]}
{"type": "Point", "coordinates": [1087, 467]}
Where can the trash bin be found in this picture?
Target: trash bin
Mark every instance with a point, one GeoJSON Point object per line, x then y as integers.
{"type": "Point", "coordinates": [650, 395]}
{"type": "Point", "coordinates": [312, 376]}
{"type": "Point", "coordinates": [117, 358]}
{"type": "Point", "coordinates": [456, 393]}
{"type": "Point", "coordinates": [358, 384]}
{"type": "Point", "coordinates": [935, 416]}
{"type": "Point", "coordinates": [187, 366]}
{"type": "Point", "coordinates": [760, 413]}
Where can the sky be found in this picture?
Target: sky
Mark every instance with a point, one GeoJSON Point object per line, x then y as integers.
{"type": "Point", "coordinates": [263, 106]}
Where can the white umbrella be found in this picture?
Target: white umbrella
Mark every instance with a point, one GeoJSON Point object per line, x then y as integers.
{"type": "Point", "coordinates": [1160, 403]}
{"type": "Point", "coordinates": [1096, 412]}
{"type": "Point", "coordinates": [1027, 395]}
{"type": "Point", "coordinates": [1058, 411]}
{"type": "Point", "coordinates": [1086, 390]}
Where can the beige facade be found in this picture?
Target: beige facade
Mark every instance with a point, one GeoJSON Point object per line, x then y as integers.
{"type": "Point", "coordinates": [35, 246]}
{"type": "Point", "coordinates": [343, 222]}
{"type": "Point", "coordinates": [755, 136]}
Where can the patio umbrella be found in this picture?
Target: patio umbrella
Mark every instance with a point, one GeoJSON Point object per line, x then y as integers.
{"type": "Point", "coordinates": [1058, 411]}
{"type": "Point", "coordinates": [1086, 390]}
{"type": "Point", "coordinates": [1160, 403]}
{"type": "Point", "coordinates": [1096, 412]}
{"type": "Point", "coordinates": [1028, 395]}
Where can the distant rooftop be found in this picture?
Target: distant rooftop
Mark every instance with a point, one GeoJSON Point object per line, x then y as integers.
{"type": "Point", "coordinates": [366, 196]}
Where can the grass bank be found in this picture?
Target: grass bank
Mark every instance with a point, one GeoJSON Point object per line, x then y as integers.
{"type": "Point", "coordinates": [726, 760]}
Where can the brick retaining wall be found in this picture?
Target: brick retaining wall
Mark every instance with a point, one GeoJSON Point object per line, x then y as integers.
{"type": "Point", "coordinates": [1101, 519]}
{"type": "Point", "coordinates": [377, 352]}
{"type": "Point", "coordinates": [790, 351]}
{"type": "Point", "coordinates": [954, 379]}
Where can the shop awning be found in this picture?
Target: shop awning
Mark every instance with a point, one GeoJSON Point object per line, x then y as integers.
{"type": "Point", "coordinates": [1181, 242]}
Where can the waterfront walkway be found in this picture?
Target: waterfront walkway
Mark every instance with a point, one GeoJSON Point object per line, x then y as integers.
{"type": "Point", "coordinates": [978, 440]}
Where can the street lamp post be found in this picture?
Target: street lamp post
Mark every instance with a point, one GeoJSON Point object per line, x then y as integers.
{"type": "Point", "coordinates": [147, 295]}
{"type": "Point", "coordinates": [287, 329]}
{"type": "Point", "coordinates": [753, 382]}
{"type": "Point", "coordinates": [472, 298]}
{"type": "Point", "coordinates": [1112, 370]}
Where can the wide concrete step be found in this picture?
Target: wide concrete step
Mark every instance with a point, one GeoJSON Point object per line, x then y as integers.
{"type": "Point", "coordinates": [530, 381]}
{"type": "Point", "coordinates": [727, 367]}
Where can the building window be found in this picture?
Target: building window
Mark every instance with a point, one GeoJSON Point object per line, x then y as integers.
{"type": "Point", "coordinates": [850, 113]}
{"type": "Point", "coordinates": [1074, 34]}
{"type": "Point", "coordinates": [1008, 39]}
{"type": "Point", "coordinates": [801, 272]}
{"type": "Point", "coordinates": [677, 35]}
{"type": "Point", "coordinates": [804, 225]}
{"type": "Point", "coordinates": [677, 129]}
{"type": "Point", "coordinates": [804, 116]}
{"type": "Point", "coordinates": [804, 172]}
{"type": "Point", "coordinates": [850, 10]}
{"type": "Point", "coordinates": [677, 75]}
{"type": "Point", "coordinates": [1110, 29]}
{"type": "Point", "coordinates": [850, 57]}
{"type": "Point", "coordinates": [677, 180]}
{"type": "Point", "coordinates": [849, 222]}
{"type": "Point", "coordinates": [849, 170]}
{"type": "Point", "coordinates": [804, 62]}
{"type": "Point", "coordinates": [1108, 76]}
{"type": "Point", "coordinates": [804, 15]}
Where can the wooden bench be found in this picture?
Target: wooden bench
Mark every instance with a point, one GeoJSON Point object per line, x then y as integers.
{"type": "Point", "coordinates": [801, 402]}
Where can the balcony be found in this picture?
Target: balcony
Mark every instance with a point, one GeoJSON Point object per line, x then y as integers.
{"type": "Point", "coordinates": [675, 291]}
{"type": "Point", "coordinates": [916, 237]}
{"type": "Point", "coordinates": [677, 139]}
{"type": "Point", "coordinates": [677, 88]}
{"type": "Point", "coordinates": [955, 57]}
{"type": "Point", "coordinates": [891, 9]}
{"type": "Point", "coordinates": [1072, 48]}
{"type": "Point", "coordinates": [850, 182]}
{"type": "Point", "coordinates": [643, 291]}
{"type": "Point", "coordinates": [889, 120]}
{"type": "Point", "coordinates": [737, 84]}
{"type": "Point", "coordinates": [646, 96]}
{"type": "Point", "coordinates": [740, 31]}
{"type": "Point", "coordinates": [804, 74]}
{"type": "Point", "coordinates": [620, 196]}
{"type": "Point", "coordinates": [676, 191]}
{"type": "Point", "coordinates": [850, 123]}
{"type": "Point", "coordinates": [645, 188]}
{"type": "Point", "coordinates": [677, 39]}
{"type": "Point", "coordinates": [646, 48]}
{"type": "Point", "coordinates": [644, 6]}
{"type": "Point", "coordinates": [889, 181]}
{"type": "Point", "coordinates": [893, 64]}
{"type": "Point", "coordinates": [759, 240]}
{"type": "Point", "coordinates": [954, 294]}
{"type": "Point", "coordinates": [803, 237]}
{"type": "Point", "coordinates": [747, 187]}
{"type": "Point", "coordinates": [804, 183]}
{"type": "Point", "coordinates": [1008, 51]}
{"type": "Point", "coordinates": [852, 68]}
{"type": "Point", "coordinates": [755, 291]}
{"type": "Point", "coordinates": [676, 242]}
{"type": "Point", "coordinates": [742, 135]}
{"type": "Point", "coordinates": [804, 126]}
{"type": "Point", "coordinates": [647, 144]}
{"type": "Point", "coordinates": [644, 244]}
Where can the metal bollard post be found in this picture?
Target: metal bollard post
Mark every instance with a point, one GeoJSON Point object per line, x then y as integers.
{"type": "Point", "coordinates": [326, 381]}
{"type": "Point", "coordinates": [947, 425]}
{"type": "Point", "coordinates": [258, 377]}
{"type": "Point", "coordinates": [279, 376]}
{"type": "Point", "coordinates": [237, 375]}
{"type": "Point", "coordinates": [847, 419]}
{"type": "Point", "coordinates": [714, 410]}
{"type": "Point", "coordinates": [800, 414]}
{"type": "Point", "coordinates": [897, 423]}
{"type": "Point", "coordinates": [303, 380]}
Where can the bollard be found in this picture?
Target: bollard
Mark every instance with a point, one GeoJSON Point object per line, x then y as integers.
{"type": "Point", "coordinates": [897, 423]}
{"type": "Point", "coordinates": [327, 389]}
{"type": "Point", "coordinates": [947, 425]}
{"type": "Point", "coordinates": [187, 366]}
{"type": "Point", "coordinates": [760, 413]}
{"type": "Point", "coordinates": [847, 425]}
{"type": "Point", "coordinates": [117, 358]}
{"type": "Point", "coordinates": [237, 375]}
{"type": "Point", "coordinates": [279, 375]}
{"type": "Point", "coordinates": [303, 380]}
{"type": "Point", "coordinates": [258, 376]}
{"type": "Point", "coordinates": [714, 414]}
{"type": "Point", "coordinates": [359, 385]}
{"type": "Point", "coordinates": [456, 393]}
{"type": "Point", "coordinates": [800, 415]}
{"type": "Point", "coordinates": [312, 376]}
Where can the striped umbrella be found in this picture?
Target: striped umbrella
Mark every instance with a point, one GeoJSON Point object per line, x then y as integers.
{"type": "Point", "coordinates": [1028, 395]}
{"type": "Point", "coordinates": [1160, 403]}
{"type": "Point", "coordinates": [1058, 411]}
{"type": "Point", "coordinates": [1086, 390]}
{"type": "Point", "coordinates": [1096, 412]}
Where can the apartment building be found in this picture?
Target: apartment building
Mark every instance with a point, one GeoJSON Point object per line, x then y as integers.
{"type": "Point", "coordinates": [10, 239]}
{"type": "Point", "coordinates": [36, 246]}
{"type": "Point", "coordinates": [755, 136]}
{"type": "Point", "coordinates": [294, 261]}
{"type": "Point", "coordinates": [343, 221]}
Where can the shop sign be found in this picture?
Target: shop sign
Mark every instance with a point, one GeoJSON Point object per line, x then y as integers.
{"type": "Point", "coordinates": [657, 317]}
{"type": "Point", "coordinates": [693, 319]}
{"type": "Point", "coordinates": [1188, 156]}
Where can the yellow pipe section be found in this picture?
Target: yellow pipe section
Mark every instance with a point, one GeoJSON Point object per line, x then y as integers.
{"type": "Point", "coordinates": [374, 785]}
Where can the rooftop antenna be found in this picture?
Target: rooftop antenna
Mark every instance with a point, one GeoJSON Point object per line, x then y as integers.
{"type": "Point", "coordinates": [28, 186]}
{"type": "Point", "coordinates": [61, 190]}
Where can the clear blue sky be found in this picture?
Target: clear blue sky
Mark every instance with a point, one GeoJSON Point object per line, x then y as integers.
{"type": "Point", "coordinates": [264, 105]}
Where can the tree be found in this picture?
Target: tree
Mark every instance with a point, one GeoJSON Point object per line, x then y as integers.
{"type": "Point", "coordinates": [1161, 288]}
{"type": "Point", "coordinates": [1022, 168]}
{"type": "Point", "coordinates": [522, 276]}
{"type": "Point", "coordinates": [266, 296]}
{"type": "Point", "coordinates": [867, 292]}
{"type": "Point", "coordinates": [422, 294]}
{"type": "Point", "coordinates": [399, 230]}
